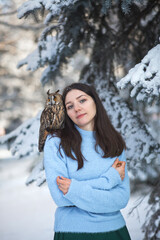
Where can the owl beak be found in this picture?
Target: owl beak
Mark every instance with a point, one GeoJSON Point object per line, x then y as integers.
{"type": "Point", "coordinates": [53, 102]}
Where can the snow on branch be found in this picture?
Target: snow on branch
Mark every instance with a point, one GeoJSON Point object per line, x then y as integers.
{"type": "Point", "coordinates": [29, 7]}
{"type": "Point", "coordinates": [144, 78]}
{"type": "Point", "coordinates": [46, 52]}
{"type": "Point", "coordinates": [37, 174]}
{"type": "Point", "coordinates": [24, 138]}
{"type": "Point", "coordinates": [51, 51]}
{"type": "Point", "coordinates": [53, 6]}
{"type": "Point", "coordinates": [24, 142]}
{"type": "Point", "coordinates": [151, 226]}
{"type": "Point", "coordinates": [50, 72]}
{"type": "Point", "coordinates": [143, 152]}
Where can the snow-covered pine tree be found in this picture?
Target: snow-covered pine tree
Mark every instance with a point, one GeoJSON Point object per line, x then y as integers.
{"type": "Point", "coordinates": [116, 35]}
{"type": "Point", "coordinates": [116, 40]}
{"type": "Point", "coordinates": [144, 84]}
{"type": "Point", "coordinates": [144, 79]}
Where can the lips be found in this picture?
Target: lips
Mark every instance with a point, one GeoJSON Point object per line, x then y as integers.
{"type": "Point", "coordinates": [81, 115]}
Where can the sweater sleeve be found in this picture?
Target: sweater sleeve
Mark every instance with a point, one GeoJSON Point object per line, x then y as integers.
{"type": "Point", "coordinates": [106, 181]}
{"type": "Point", "coordinates": [55, 165]}
{"type": "Point", "coordinates": [95, 200]}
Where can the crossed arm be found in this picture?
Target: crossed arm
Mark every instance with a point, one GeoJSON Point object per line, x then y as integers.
{"type": "Point", "coordinates": [105, 182]}
{"type": "Point", "coordinates": [100, 195]}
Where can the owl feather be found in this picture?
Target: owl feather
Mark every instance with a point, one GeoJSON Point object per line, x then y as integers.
{"type": "Point", "coordinates": [52, 117]}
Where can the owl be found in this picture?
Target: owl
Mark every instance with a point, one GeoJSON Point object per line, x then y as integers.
{"type": "Point", "coordinates": [52, 117]}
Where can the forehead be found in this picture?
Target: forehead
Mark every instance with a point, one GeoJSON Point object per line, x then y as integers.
{"type": "Point", "coordinates": [74, 94]}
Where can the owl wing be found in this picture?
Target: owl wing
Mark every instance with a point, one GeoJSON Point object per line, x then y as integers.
{"type": "Point", "coordinates": [45, 125]}
{"type": "Point", "coordinates": [58, 119]}
{"type": "Point", "coordinates": [52, 118]}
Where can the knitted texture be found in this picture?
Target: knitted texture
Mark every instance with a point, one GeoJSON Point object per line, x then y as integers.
{"type": "Point", "coordinates": [96, 192]}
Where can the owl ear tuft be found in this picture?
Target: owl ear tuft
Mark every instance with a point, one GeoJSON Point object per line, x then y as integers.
{"type": "Point", "coordinates": [57, 91]}
{"type": "Point", "coordinates": [48, 91]}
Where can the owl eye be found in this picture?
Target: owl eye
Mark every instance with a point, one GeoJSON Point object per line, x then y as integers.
{"type": "Point", "coordinates": [55, 98]}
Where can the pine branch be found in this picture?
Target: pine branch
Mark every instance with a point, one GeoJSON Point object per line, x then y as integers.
{"type": "Point", "coordinates": [26, 135]}
{"type": "Point", "coordinates": [121, 38]}
{"type": "Point", "coordinates": [151, 227]}
{"type": "Point", "coordinates": [48, 30]}
{"type": "Point", "coordinates": [142, 149]}
{"type": "Point", "coordinates": [143, 79]}
{"type": "Point", "coordinates": [139, 202]}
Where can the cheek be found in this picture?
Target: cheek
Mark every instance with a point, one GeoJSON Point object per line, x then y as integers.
{"type": "Point", "coordinates": [70, 114]}
{"type": "Point", "coordinates": [93, 109]}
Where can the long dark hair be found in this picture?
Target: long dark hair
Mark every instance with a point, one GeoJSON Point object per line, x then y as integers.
{"type": "Point", "coordinates": [110, 141]}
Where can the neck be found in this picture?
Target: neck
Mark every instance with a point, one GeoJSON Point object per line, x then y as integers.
{"type": "Point", "coordinates": [85, 133]}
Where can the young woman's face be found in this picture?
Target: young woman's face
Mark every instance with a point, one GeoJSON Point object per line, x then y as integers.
{"type": "Point", "coordinates": [81, 109]}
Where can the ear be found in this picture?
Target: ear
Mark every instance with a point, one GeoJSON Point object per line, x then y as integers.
{"type": "Point", "coordinates": [57, 91]}
{"type": "Point", "coordinates": [48, 92]}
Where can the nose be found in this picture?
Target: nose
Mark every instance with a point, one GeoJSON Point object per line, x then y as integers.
{"type": "Point", "coordinates": [77, 107]}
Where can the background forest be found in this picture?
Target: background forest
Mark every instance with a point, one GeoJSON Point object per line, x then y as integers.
{"type": "Point", "coordinates": [113, 45]}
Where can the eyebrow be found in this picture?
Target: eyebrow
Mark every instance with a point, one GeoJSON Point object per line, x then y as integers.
{"type": "Point", "coordinates": [76, 98]}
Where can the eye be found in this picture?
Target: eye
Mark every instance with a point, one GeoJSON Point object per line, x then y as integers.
{"type": "Point", "coordinates": [82, 100]}
{"type": "Point", "coordinates": [69, 107]}
{"type": "Point", "coordinates": [55, 98]}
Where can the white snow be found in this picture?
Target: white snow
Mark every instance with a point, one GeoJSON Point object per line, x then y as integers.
{"type": "Point", "coordinates": [28, 212]}
{"type": "Point", "coordinates": [144, 77]}
{"type": "Point", "coordinates": [29, 6]}
{"type": "Point", "coordinates": [48, 53]}
{"type": "Point", "coordinates": [139, 141]}
{"type": "Point", "coordinates": [26, 134]}
{"type": "Point", "coordinates": [25, 212]}
{"type": "Point", "coordinates": [55, 6]}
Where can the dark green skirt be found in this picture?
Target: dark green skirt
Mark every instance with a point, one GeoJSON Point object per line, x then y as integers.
{"type": "Point", "coordinates": [120, 234]}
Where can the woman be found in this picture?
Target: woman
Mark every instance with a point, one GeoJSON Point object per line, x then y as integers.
{"type": "Point", "coordinates": [86, 171]}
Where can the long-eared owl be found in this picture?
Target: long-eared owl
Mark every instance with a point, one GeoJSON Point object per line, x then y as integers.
{"type": "Point", "coordinates": [52, 117]}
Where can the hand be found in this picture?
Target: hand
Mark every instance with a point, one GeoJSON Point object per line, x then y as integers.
{"type": "Point", "coordinates": [63, 184]}
{"type": "Point", "coordinates": [120, 167]}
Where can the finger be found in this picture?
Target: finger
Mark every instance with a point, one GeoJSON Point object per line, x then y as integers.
{"type": "Point", "coordinates": [64, 178]}
{"type": "Point", "coordinates": [61, 178]}
{"type": "Point", "coordinates": [61, 190]}
{"type": "Point", "coordinates": [122, 161]}
{"type": "Point", "coordinates": [119, 164]}
{"type": "Point", "coordinates": [123, 164]}
{"type": "Point", "coordinates": [63, 183]}
{"type": "Point", "coordinates": [61, 187]}
{"type": "Point", "coordinates": [115, 162]}
{"type": "Point", "coordinates": [58, 178]}
{"type": "Point", "coordinates": [59, 181]}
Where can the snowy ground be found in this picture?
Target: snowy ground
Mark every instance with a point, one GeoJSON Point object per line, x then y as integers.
{"type": "Point", "coordinates": [28, 212]}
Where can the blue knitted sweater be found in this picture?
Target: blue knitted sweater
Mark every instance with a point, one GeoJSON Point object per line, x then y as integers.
{"type": "Point", "coordinates": [96, 192]}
